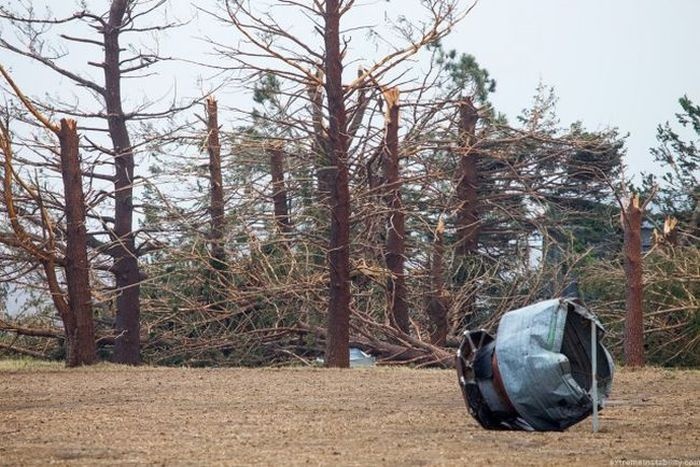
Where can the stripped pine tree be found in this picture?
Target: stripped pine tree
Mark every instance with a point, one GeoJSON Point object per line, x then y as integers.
{"type": "Point", "coordinates": [337, 342]}
{"type": "Point", "coordinates": [81, 332]}
{"type": "Point", "coordinates": [467, 204]}
{"type": "Point", "coordinates": [631, 217]}
{"type": "Point", "coordinates": [127, 348]}
{"type": "Point", "coordinates": [319, 146]}
{"type": "Point", "coordinates": [216, 204]}
{"type": "Point", "coordinates": [216, 286]}
{"type": "Point", "coordinates": [468, 183]}
{"type": "Point", "coordinates": [394, 252]}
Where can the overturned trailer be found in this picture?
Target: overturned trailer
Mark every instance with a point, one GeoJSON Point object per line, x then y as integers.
{"type": "Point", "coordinates": [539, 372]}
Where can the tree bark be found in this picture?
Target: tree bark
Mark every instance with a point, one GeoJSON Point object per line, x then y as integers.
{"type": "Point", "coordinates": [467, 234]}
{"type": "Point", "coordinates": [394, 252]}
{"type": "Point", "coordinates": [279, 191]}
{"type": "Point", "coordinates": [437, 303]}
{"type": "Point", "coordinates": [634, 287]}
{"type": "Point", "coordinates": [337, 345]}
{"type": "Point", "coordinates": [467, 213]}
{"type": "Point", "coordinates": [216, 207]}
{"type": "Point", "coordinates": [321, 151]}
{"type": "Point", "coordinates": [126, 266]}
{"type": "Point", "coordinates": [80, 339]}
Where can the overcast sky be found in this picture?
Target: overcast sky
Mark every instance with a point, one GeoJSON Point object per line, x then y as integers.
{"type": "Point", "coordinates": [620, 63]}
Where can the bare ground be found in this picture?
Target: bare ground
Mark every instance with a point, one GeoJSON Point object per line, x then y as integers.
{"type": "Point", "coordinates": [170, 416]}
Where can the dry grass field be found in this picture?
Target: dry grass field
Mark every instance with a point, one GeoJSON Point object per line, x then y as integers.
{"type": "Point", "coordinates": [110, 415]}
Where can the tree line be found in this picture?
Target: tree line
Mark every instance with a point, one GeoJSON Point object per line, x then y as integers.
{"type": "Point", "coordinates": [387, 209]}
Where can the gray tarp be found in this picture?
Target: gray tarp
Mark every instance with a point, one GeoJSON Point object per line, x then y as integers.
{"type": "Point", "coordinates": [536, 374]}
{"type": "Point", "coordinates": [544, 357]}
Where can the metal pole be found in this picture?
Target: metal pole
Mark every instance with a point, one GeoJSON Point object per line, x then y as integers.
{"type": "Point", "coordinates": [594, 375]}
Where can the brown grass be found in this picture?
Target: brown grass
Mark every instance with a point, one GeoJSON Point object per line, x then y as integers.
{"type": "Point", "coordinates": [110, 415]}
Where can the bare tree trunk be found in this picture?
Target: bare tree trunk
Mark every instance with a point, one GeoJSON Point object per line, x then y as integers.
{"type": "Point", "coordinates": [80, 340]}
{"type": "Point", "coordinates": [394, 252]}
{"type": "Point", "coordinates": [634, 288]}
{"type": "Point", "coordinates": [216, 208]}
{"type": "Point", "coordinates": [437, 303]}
{"type": "Point", "coordinates": [467, 214]}
{"type": "Point", "coordinates": [126, 266]}
{"type": "Point", "coordinates": [321, 166]}
{"type": "Point", "coordinates": [279, 190]}
{"type": "Point", "coordinates": [322, 158]}
{"type": "Point", "coordinates": [337, 344]}
{"type": "Point", "coordinates": [467, 207]}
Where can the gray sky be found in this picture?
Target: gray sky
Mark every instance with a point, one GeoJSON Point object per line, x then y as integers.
{"type": "Point", "coordinates": [620, 63]}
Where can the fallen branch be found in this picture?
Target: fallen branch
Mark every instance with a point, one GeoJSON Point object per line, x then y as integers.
{"type": "Point", "coordinates": [39, 332]}
{"type": "Point", "coordinates": [22, 351]}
